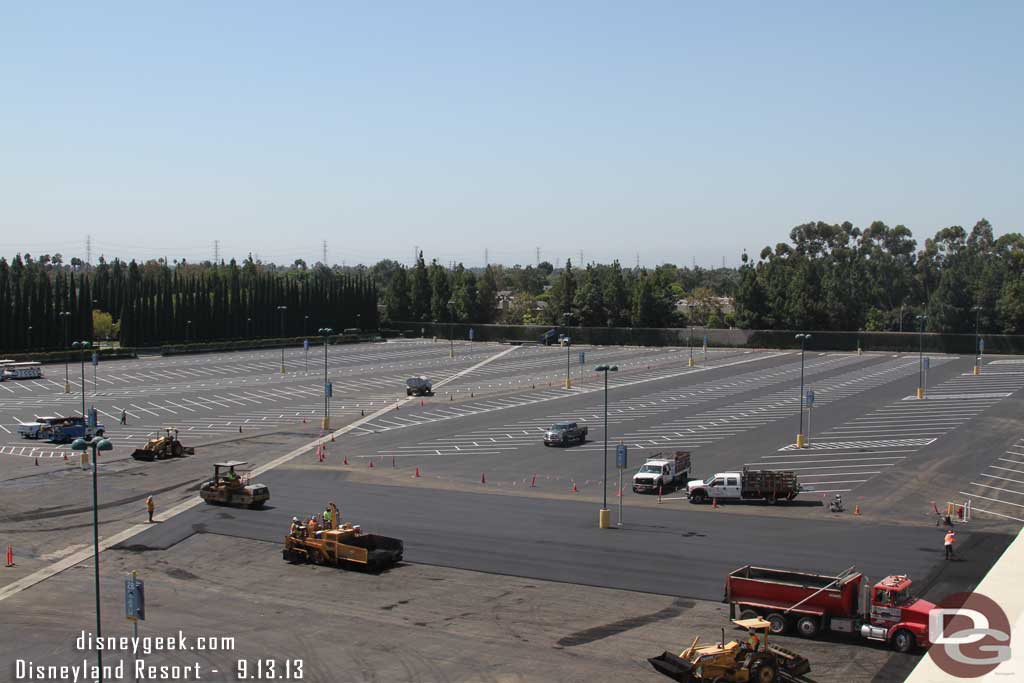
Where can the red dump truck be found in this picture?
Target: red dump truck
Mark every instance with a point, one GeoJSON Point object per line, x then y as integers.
{"type": "Point", "coordinates": [813, 603]}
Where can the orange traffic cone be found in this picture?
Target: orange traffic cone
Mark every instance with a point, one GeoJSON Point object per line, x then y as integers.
{"type": "Point", "coordinates": [417, 473]}
{"type": "Point", "coordinates": [65, 457]}
{"type": "Point", "coordinates": [10, 555]}
{"type": "Point", "coordinates": [856, 509]}
{"type": "Point", "coordinates": [574, 489]}
{"type": "Point", "coordinates": [371, 463]}
{"type": "Point", "coordinates": [346, 459]}
{"type": "Point", "coordinates": [421, 403]}
{"type": "Point", "coordinates": [714, 503]}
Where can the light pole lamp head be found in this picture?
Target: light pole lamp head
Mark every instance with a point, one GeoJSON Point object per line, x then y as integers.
{"type": "Point", "coordinates": [325, 331]}
{"type": "Point", "coordinates": [81, 345]}
{"type": "Point", "coordinates": [79, 444]}
{"type": "Point", "coordinates": [606, 368]}
{"type": "Point", "coordinates": [105, 445]}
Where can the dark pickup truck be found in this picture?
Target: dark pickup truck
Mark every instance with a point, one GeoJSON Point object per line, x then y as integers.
{"type": "Point", "coordinates": [565, 433]}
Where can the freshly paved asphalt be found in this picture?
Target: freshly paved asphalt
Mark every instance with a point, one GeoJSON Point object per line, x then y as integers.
{"type": "Point", "coordinates": [660, 551]}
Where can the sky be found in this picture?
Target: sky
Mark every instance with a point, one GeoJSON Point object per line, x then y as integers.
{"type": "Point", "coordinates": [654, 131]}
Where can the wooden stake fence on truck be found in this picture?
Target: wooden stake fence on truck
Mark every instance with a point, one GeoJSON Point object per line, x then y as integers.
{"type": "Point", "coordinates": [812, 603]}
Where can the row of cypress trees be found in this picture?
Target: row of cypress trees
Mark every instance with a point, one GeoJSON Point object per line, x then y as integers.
{"type": "Point", "coordinates": [153, 303]}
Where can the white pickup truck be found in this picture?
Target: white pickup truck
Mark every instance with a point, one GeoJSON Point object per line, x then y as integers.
{"type": "Point", "coordinates": [662, 472]}
{"type": "Point", "coordinates": [771, 485]}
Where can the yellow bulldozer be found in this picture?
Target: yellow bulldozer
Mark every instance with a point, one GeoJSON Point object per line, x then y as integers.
{"type": "Point", "coordinates": [339, 544]}
{"type": "Point", "coordinates": [163, 447]}
{"type": "Point", "coordinates": [734, 662]}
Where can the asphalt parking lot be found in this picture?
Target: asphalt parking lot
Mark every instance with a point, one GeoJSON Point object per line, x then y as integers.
{"type": "Point", "coordinates": [492, 503]}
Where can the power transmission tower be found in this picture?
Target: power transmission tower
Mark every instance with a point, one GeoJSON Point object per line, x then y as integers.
{"type": "Point", "coordinates": [486, 259]}
{"type": "Point", "coordinates": [216, 252]}
{"type": "Point", "coordinates": [538, 256]}
{"type": "Point", "coordinates": [324, 261]}
{"type": "Point", "coordinates": [88, 250]}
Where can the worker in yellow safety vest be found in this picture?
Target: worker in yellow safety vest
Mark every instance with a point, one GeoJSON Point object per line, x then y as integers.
{"type": "Point", "coordinates": [753, 640]}
{"type": "Point", "coordinates": [327, 518]}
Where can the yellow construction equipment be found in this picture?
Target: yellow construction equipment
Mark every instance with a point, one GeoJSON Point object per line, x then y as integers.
{"type": "Point", "coordinates": [231, 487]}
{"type": "Point", "coordinates": [340, 545]}
{"type": "Point", "coordinates": [734, 662]}
{"type": "Point", "coordinates": [163, 447]}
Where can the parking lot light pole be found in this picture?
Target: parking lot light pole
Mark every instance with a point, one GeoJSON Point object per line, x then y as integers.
{"type": "Point", "coordinates": [325, 332]}
{"type": "Point", "coordinates": [305, 342]}
{"type": "Point", "coordinates": [451, 328]}
{"type": "Point", "coordinates": [84, 346]}
{"type": "Point", "coordinates": [689, 331]}
{"type": "Point", "coordinates": [920, 355]}
{"type": "Point", "coordinates": [567, 317]}
{"type": "Point", "coordinates": [67, 378]}
{"type": "Point", "coordinates": [604, 517]}
{"type": "Point", "coordinates": [800, 443]}
{"type": "Point", "coordinates": [29, 330]}
{"type": "Point", "coordinates": [101, 444]}
{"type": "Point", "coordinates": [282, 309]}
{"type": "Point", "coordinates": [977, 340]}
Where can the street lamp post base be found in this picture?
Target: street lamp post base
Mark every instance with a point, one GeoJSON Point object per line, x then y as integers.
{"type": "Point", "coordinates": [67, 388]}
{"type": "Point", "coordinates": [604, 518]}
{"type": "Point", "coordinates": [800, 441]}
{"type": "Point", "coordinates": [920, 393]}
{"type": "Point", "coordinates": [568, 383]}
{"type": "Point", "coordinates": [325, 423]}
{"type": "Point", "coordinates": [282, 369]}
{"type": "Point", "coordinates": [690, 363]}
{"type": "Point", "coordinates": [977, 370]}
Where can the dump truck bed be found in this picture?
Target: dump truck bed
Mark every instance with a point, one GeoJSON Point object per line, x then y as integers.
{"type": "Point", "coordinates": [782, 589]}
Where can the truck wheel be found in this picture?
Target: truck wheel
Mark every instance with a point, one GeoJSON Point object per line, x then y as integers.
{"type": "Point", "coordinates": [698, 497]}
{"type": "Point", "coordinates": [749, 614]}
{"type": "Point", "coordinates": [903, 641]}
{"type": "Point", "coordinates": [777, 623]}
{"type": "Point", "coordinates": [807, 626]}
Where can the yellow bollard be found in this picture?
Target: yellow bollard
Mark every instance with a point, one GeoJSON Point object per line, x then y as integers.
{"type": "Point", "coordinates": [920, 393]}
{"type": "Point", "coordinates": [604, 518]}
{"type": "Point", "coordinates": [800, 442]}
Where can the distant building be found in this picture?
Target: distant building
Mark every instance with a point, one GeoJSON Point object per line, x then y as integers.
{"type": "Point", "coordinates": [724, 303]}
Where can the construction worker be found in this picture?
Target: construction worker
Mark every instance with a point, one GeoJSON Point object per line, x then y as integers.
{"type": "Point", "coordinates": [753, 640]}
{"type": "Point", "coordinates": [950, 537]}
{"type": "Point", "coordinates": [150, 508]}
{"type": "Point", "coordinates": [312, 526]}
{"type": "Point", "coordinates": [124, 417]}
{"type": "Point", "coordinates": [327, 517]}
{"type": "Point", "coordinates": [294, 531]}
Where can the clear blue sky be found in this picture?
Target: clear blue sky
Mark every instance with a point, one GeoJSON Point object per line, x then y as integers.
{"type": "Point", "coordinates": [677, 130]}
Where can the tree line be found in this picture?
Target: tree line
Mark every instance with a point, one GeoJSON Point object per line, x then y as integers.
{"type": "Point", "coordinates": [840, 277]}
{"type": "Point", "coordinates": [596, 295]}
{"type": "Point", "coordinates": [153, 303]}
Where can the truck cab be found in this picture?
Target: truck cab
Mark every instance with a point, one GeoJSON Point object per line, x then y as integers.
{"type": "Point", "coordinates": [718, 486]}
{"type": "Point", "coordinates": [896, 616]}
